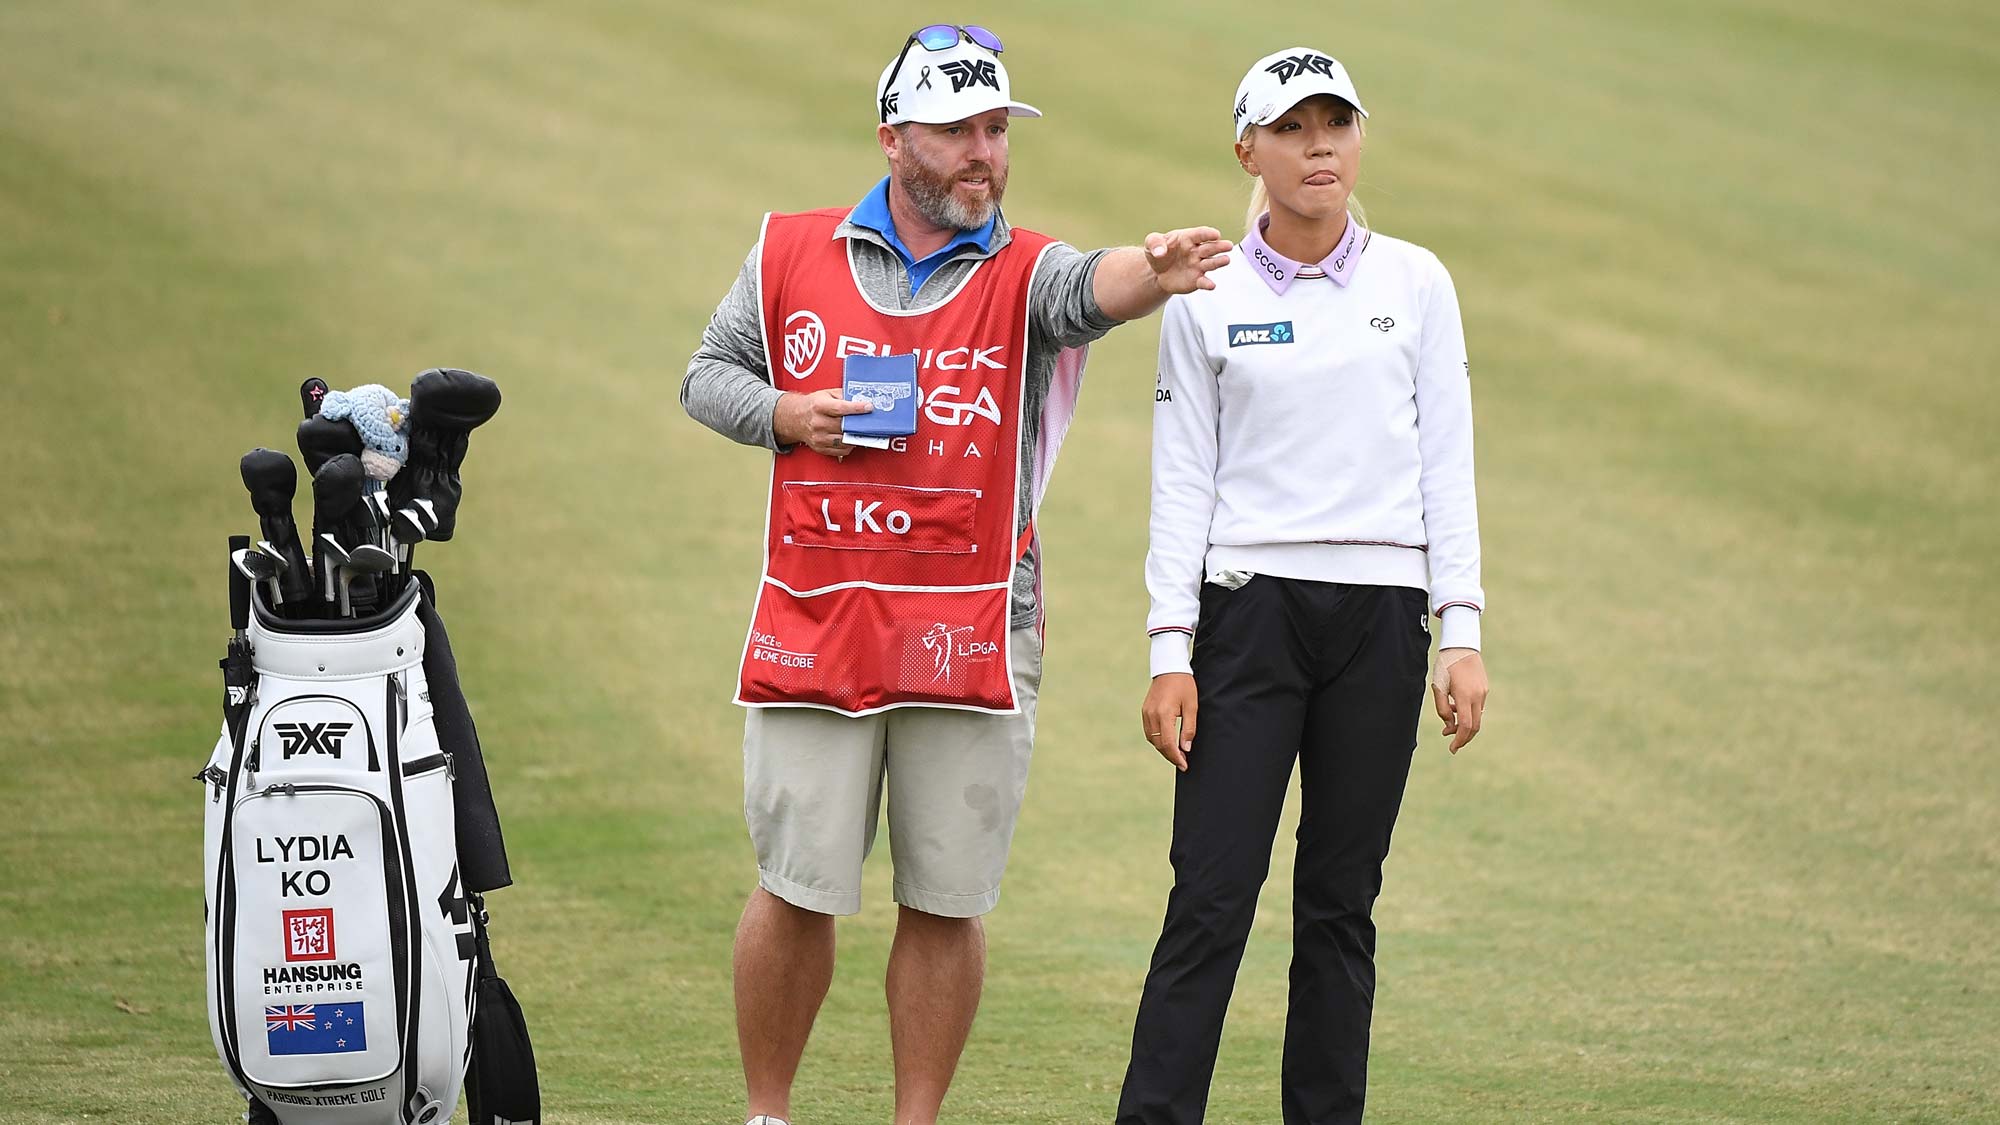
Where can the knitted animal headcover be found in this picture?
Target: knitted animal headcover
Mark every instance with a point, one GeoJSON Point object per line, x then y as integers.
{"type": "Point", "coordinates": [383, 421]}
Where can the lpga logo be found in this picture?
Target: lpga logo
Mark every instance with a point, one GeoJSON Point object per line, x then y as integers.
{"type": "Point", "coordinates": [938, 642]}
{"type": "Point", "coordinates": [805, 341]}
{"type": "Point", "coordinates": [944, 646]}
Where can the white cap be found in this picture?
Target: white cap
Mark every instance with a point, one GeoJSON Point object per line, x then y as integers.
{"type": "Point", "coordinates": [1283, 79]}
{"type": "Point", "coordinates": [939, 87]}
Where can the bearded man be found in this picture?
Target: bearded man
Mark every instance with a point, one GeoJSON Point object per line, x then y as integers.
{"type": "Point", "coordinates": [896, 639]}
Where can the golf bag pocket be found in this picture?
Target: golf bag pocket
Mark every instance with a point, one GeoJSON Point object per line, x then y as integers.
{"type": "Point", "coordinates": [340, 951]}
{"type": "Point", "coordinates": [320, 939]}
{"type": "Point", "coordinates": [313, 733]}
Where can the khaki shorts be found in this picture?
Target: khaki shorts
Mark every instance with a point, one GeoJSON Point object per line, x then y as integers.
{"type": "Point", "coordinates": [812, 791]}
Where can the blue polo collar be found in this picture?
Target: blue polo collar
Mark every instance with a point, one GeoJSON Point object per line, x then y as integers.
{"type": "Point", "coordinates": [873, 213]}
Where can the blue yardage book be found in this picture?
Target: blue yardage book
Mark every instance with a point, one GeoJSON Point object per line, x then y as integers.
{"type": "Point", "coordinates": [889, 383]}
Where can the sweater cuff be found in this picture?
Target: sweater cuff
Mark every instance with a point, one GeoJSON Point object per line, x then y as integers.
{"type": "Point", "coordinates": [1459, 628]}
{"type": "Point", "coordinates": [1170, 652]}
{"type": "Point", "coordinates": [767, 408]}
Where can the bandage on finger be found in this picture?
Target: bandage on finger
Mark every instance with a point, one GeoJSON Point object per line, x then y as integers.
{"type": "Point", "coordinates": [1441, 667]}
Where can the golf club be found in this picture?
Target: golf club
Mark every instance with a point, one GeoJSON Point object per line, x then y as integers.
{"type": "Point", "coordinates": [411, 526]}
{"type": "Point", "coordinates": [257, 566]}
{"type": "Point", "coordinates": [272, 481]}
{"type": "Point", "coordinates": [366, 528]}
{"type": "Point", "coordinates": [446, 405]}
{"type": "Point", "coordinates": [384, 521]}
{"type": "Point", "coordinates": [336, 495]}
{"type": "Point", "coordinates": [329, 558]}
{"type": "Point", "coordinates": [265, 546]}
{"type": "Point", "coordinates": [322, 439]}
{"type": "Point", "coordinates": [367, 561]}
{"type": "Point", "coordinates": [386, 585]}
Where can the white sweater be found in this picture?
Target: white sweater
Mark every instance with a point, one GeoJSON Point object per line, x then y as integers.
{"type": "Point", "coordinates": [1314, 421]}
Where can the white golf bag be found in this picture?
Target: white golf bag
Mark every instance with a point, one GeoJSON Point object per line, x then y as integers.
{"type": "Point", "coordinates": [341, 950]}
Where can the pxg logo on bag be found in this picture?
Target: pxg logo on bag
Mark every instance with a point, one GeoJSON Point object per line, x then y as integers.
{"type": "Point", "coordinates": [888, 383]}
{"type": "Point", "coordinates": [312, 738]}
{"type": "Point", "coordinates": [315, 731]}
{"type": "Point", "coordinates": [1278, 332]}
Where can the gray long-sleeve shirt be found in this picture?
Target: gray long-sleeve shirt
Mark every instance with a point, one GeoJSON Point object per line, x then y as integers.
{"type": "Point", "coordinates": [728, 389]}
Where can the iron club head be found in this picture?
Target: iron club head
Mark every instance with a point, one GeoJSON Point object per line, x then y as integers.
{"type": "Point", "coordinates": [366, 561]}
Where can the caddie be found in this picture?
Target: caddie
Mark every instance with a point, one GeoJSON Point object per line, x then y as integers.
{"type": "Point", "coordinates": [895, 643]}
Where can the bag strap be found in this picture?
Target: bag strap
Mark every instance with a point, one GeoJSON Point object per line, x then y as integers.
{"type": "Point", "coordinates": [481, 944]}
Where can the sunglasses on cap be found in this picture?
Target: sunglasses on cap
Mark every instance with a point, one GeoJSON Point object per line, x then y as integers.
{"type": "Point", "coordinates": [939, 37]}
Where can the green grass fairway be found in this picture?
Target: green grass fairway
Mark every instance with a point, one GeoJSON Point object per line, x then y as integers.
{"type": "Point", "coordinates": [1728, 851]}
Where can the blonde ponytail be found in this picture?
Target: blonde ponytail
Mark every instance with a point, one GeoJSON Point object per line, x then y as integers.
{"type": "Point", "coordinates": [1260, 202]}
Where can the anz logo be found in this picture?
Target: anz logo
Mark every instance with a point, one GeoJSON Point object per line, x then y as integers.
{"type": "Point", "coordinates": [1277, 333]}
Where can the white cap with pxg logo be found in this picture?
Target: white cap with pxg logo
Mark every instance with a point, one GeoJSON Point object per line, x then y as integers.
{"type": "Point", "coordinates": [943, 74]}
{"type": "Point", "coordinates": [1281, 80]}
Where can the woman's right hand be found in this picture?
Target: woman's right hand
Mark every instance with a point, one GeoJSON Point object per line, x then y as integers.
{"type": "Point", "coordinates": [1167, 717]}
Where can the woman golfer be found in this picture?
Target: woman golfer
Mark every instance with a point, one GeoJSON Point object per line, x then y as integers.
{"type": "Point", "coordinates": [1312, 507]}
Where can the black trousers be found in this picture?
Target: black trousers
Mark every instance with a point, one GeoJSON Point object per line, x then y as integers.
{"type": "Point", "coordinates": [1334, 676]}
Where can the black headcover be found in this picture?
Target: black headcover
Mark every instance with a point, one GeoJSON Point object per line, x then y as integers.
{"type": "Point", "coordinates": [337, 489]}
{"type": "Point", "coordinates": [322, 439]}
{"type": "Point", "coordinates": [272, 481]}
{"type": "Point", "coordinates": [446, 405]}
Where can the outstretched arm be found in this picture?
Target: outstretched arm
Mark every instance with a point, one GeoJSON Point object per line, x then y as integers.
{"type": "Point", "coordinates": [1133, 282]}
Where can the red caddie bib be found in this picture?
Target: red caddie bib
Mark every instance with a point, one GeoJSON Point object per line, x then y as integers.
{"type": "Point", "coordinates": [888, 575]}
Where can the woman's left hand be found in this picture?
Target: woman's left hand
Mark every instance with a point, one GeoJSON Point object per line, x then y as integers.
{"type": "Point", "coordinates": [1458, 688]}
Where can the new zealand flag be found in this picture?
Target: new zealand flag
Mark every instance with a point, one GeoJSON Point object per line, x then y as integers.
{"type": "Point", "coordinates": [315, 1029]}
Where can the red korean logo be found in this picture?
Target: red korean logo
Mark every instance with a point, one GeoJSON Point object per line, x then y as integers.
{"type": "Point", "coordinates": [309, 935]}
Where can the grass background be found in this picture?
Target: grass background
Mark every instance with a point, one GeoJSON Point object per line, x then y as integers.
{"type": "Point", "coordinates": [1727, 850]}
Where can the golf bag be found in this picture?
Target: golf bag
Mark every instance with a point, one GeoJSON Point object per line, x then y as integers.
{"type": "Point", "coordinates": [342, 955]}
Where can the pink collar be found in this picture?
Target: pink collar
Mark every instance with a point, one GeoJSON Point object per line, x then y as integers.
{"type": "Point", "coordinates": [1279, 271]}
